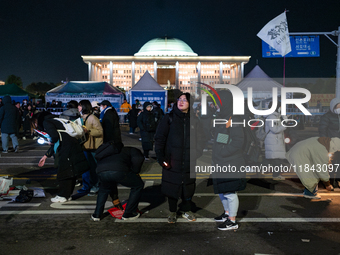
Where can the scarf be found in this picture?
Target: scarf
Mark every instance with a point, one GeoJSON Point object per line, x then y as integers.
{"type": "Point", "coordinates": [103, 112]}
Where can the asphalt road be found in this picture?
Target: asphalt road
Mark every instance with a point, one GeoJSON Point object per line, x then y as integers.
{"type": "Point", "coordinates": [273, 217]}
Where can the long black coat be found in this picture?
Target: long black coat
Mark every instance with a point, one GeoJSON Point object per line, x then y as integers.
{"type": "Point", "coordinates": [111, 128]}
{"type": "Point", "coordinates": [329, 125]}
{"type": "Point", "coordinates": [70, 158]}
{"type": "Point", "coordinates": [132, 116]}
{"type": "Point", "coordinates": [147, 125]}
{"type": "Point", "coordinates": [9, 117]}
{"type": "Point", "coordinates": [174, 146]}
{"type": "Point", "coordinates": [230, 154]}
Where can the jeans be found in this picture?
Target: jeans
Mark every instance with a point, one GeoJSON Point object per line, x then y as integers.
{"type": "Point", "coordinates": [4, 138]}
{"type": "Point", "coordinates": [230, 203]}
{"type": "Point", "coordinates": [108, 182]}
{"type": "Point", "coordinates": [132, 130]}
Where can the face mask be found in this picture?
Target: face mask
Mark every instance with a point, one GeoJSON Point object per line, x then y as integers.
{"type": "Point", "coordinates": [337, 110]}
{"type": "Point", "coordinates": [102, 108]}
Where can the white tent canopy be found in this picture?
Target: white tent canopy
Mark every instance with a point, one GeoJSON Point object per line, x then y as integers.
{"type": "Point", "coordinates": [147, 89]}
{"type": "Point", "coordinates": [261, 83]}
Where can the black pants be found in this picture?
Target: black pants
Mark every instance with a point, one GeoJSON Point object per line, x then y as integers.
{"type": "Point", "coordinates": [66, 187]}
{"type": "Point", "coordinates": [108, 185]}
{"type": "Point", "coordinates": [185, 206]}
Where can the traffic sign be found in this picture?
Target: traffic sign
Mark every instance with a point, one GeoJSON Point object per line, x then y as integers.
{"type": "Point", "coordinates": [302, 46]}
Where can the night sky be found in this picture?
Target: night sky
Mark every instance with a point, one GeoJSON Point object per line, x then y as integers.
{"type": "Point", "coordinates": [44, 40]}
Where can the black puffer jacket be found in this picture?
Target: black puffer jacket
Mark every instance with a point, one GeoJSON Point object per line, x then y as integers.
{"type": "Point", "coordinates": [329, 125]}
{"type": "Point", "coordinates": [147, 125]}
{"type": "Point", "coordinates": [172, 145]}
{"type": "Point", "coordinates": [9, 117]}
{"type": "Point", "coordinates": [111, 128]}
{"type": "Point", "coordinates": [70, 158]}
{"type": "Point", "coordinates": [228, 155]}
{"type": "Point", "coordinates": [127, 160]}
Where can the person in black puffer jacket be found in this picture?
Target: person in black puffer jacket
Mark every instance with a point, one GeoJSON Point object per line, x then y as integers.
{"type": "Point", "coordinates": [329, 125]}
{"type": "Point", "coordinates": [127, 165]}
{"type": "Point", "coordinates": [69, 157]}
{"type": "Point", "coordinates": [179, 141]}
{"type": "Point", "coordinates": [132, 117]}
{"type": "Point", "coordinates": [228, 152]}
{"type": "Point", "coordinates": [147, 125]}
{"type": "Point", "coordinates": [9, 124]}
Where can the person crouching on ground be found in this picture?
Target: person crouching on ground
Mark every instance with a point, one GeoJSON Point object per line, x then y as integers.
{"type": "Point", "coordinates": [68, 154]}
{"type": "Point", "coordinates": [127, 165]}
{"type": "Point", "coordinates": [309, 158]}
{"type": "Point", "coordinates": [179, 141]}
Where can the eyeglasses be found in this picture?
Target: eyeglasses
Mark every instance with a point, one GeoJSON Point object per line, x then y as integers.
{"type": "Point", "coordinates": [182, 100]}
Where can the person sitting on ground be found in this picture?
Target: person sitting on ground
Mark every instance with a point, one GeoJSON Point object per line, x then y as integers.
{"type": "Point", "coordinates": [127, 163]}
{"type": "Point", "coordinates": [309, 157]}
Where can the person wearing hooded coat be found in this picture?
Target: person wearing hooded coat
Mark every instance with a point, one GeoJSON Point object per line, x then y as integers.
{"type": "Point", "coordinates": [9, 124]}
{"type": "Point", "coordinates": [132, 117]}
{"type": "Point", "coordinates": [69, 157]}
{"type": "Point", "coordinates": [275, 148]}
{"type": "Point", "coordinates": [329, 125]}
{"type": "Point", "coordinates": [179, 141]}
{"type": "Point", "coordinates": [147, 125]}
{"type": "Point", "coordinates": [227, 152]}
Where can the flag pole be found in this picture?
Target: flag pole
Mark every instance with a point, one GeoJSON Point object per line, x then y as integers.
{"type": "Point", "coordinates": [284, 70]}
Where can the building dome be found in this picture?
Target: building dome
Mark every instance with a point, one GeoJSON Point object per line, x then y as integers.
{"type": "Point", "coordinates": [165, 47]}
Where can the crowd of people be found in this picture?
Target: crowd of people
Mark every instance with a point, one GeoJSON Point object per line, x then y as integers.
{"type": "Point", "coordinates": [178, 138]}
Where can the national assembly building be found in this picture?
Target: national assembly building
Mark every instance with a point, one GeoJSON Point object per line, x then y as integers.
{"type": "Point", "coordinates": [171, 62]}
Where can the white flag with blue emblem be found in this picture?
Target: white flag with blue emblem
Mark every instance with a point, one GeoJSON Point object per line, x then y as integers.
{"type": "Point", "coordinates": [276, 34]}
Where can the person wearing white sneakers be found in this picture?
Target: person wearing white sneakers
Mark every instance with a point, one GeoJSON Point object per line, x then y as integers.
{"type": "Point", "coordinates": [68, 155]}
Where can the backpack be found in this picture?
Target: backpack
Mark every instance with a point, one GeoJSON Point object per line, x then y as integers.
{"type": "Point", "coordinates": [73, 128]}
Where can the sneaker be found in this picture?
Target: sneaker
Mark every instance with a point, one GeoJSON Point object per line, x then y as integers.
{"type": "Point", "coordinates": [146, 158]}
{"type": "Point", "coordinates": [329, 188]}
{"type": "Point", "coordinates": [315, 196]}
{"type": "Point", "coordinates": [93, 191]}
{"type": "Point", "coordinates": [58, 199]}
{"type": "Point", "coordinates": [5, 151]}
{"type": "Point", "coordinates": [78, 183]}
{"type": "Point", "coordinates": [35, 137]}
{"type": "Point", "coordinates": [205, 150]}
{"type": "Point", "coordinates": [131, 133]}
{"type": "Point", "coordinates": [24, 138]}
{"type": "Point", "coordinates": [94, 218]}
{"type": "Point", "coordinates": [228, 225]}
{"type": "Point", "coordinates": [130, 216]}
{"type": "Point", "coordinates": [16, 150]}
{"type": "Point", "coordinates": [222, 218]}
{"type": "Point", "coordinates": [189, 216]}
{"type": "Point", "coordinates": [279, 178]}
{"type": "Point", "coordinates": [172, 217]}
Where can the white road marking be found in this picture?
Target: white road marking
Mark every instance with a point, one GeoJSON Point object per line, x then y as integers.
{"type": "Point", "coordinates": [26, 164]}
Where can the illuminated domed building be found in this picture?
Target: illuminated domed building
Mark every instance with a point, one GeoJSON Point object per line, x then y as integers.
{"type": "Point", "coordinates": [171, 62]}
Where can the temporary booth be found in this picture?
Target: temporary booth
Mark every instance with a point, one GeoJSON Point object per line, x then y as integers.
{"type": "Point", "coordinates": [89, 90]}
{"type": "Point", "coordinates": [148, 90]}
{"type": "Point", "coordinates": [17, 94]}
{"type": "Point", "coordinates": [261, 84]}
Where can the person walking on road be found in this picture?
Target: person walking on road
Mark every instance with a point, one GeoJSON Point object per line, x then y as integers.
{"type": "Point", "coordinates": [147, 125]}
{"type": "Point", "coordinates": [227, 151]}
{"type": "Point", "coordinates": [132, 116]}
{"type": "Point", "coordinates": [69, 157]}
{"type": "Point", "coordinates": [9, 124]}
{"type": "Point", "coordinates": [179, 141]}
{"type": "Point", "coordinates": [329, 125]}
{"type": "Point", "coordinates": [94, 134]}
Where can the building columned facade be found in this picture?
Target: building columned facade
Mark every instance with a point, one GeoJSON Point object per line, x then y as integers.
{"type": "Point", "coordinates": [171, 62]}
